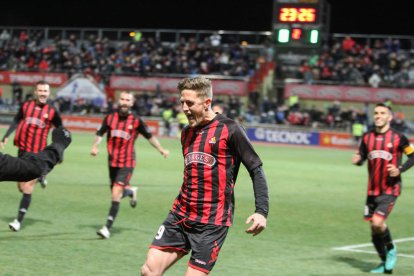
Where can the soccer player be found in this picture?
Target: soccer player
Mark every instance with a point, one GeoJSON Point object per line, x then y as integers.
{"type": "Point", "coordinates": [213, 147]}
{"type": "Point", "coordinates": [122, 128]}
{"type": "Point", "coordinates": [383, 147]}
{"type": "Point", "coordinates": [32, 165]}
{"type": "Point", "coordinates": [32, 123]}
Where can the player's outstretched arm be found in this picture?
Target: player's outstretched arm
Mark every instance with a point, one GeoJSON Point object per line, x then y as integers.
{"type": "Point", "coordinates": [32, 166]}
{"type": "Point", "coordinates": [95, 146]}
{"type": "Point", "coordinates": [156, 144]}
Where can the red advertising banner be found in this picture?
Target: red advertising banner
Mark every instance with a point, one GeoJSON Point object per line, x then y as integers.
{"type": "Point", "coordinates": [30, 78]}
{"type": "Point", "coordinates": [337, 140]}
{"type": "Point", "coordinates": [93, 123]}
{"type": "Point", "coordinates": [350, 93]}
{"type": "Point", "coordinates": [220, 87]}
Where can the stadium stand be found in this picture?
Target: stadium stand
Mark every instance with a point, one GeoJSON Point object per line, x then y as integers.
{"type": "Point", "coordinates": [350, 60]}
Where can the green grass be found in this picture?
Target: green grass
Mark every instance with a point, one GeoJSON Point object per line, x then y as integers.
{"type": "Point", "coordinates": [316, 198]}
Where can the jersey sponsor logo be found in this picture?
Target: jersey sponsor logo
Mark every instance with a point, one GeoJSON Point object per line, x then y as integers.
{"type": "Point", "coordinates": [35, 121]}
{"type": "Point", "coordinates": [120, 134]}
{"type": "Point", "coordinates": [380, 154]}
{"type": "Point", "coordinates": [199, 157]}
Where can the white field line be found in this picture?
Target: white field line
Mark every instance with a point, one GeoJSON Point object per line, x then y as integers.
{"type": "Point", "coordinates": [354, 248]}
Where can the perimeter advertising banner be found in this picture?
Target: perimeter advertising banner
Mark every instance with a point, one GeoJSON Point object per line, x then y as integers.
{"type": "Point", "coordinates": [220, 87]}
{"type": "Point", "coordinates": [305, 138]}
{"type": "Point", "coordinates": [93, 123]}
{"type": "Point", "coordinates": [350, 93]}
{"type": "Point", "coordinates": [271, 135]}
{"type": "Point", "coordinates": [30, 78]}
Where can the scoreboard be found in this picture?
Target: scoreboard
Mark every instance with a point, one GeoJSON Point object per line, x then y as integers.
{"type": "Point", "coordinates": [298, 23]}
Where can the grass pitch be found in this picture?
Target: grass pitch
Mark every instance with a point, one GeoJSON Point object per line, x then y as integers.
{"type": "Point", "coordinates": [316, 195]}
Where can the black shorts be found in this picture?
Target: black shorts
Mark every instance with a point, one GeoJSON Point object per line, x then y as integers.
{"type": "Point", "coordinates": [21, 153]}
{"type": "Point", "coordinates": [203, 240]}
{"type": "Point", "coordinates": [379, 205]}
{"type": "Point", "coordinates": [120, 176]}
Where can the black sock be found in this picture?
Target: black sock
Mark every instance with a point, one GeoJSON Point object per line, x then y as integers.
{"type": "Point", "coordinates": [24, 206]}
{"type": "Point", "coordinates": [379, 245]}
{"type": "Point", "coordinates": [112, 214]}
{"type": "Point", "coordinates": [386, 237]}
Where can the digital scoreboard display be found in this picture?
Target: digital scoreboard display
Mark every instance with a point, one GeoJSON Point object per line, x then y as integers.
{"type": "Point", "coordinates": [297, 14]}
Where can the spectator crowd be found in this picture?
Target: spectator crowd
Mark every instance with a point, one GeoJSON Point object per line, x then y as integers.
{"type": "Point", "coordinates": [381, 62]}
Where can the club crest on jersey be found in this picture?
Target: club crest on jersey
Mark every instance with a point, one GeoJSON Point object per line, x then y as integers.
{"type": "Point", "coordinates": [46, 116]}
{"type": "Point", "coordinates": [121, 134]}
{"type": "Point", "coordinates": [199, 157]}
{"type": "Point", "coordinates": [380, 154]}
{"type": "Point", "coordinates": [130, 127]}
{"type": "Point", "coordinates": [212, 140]}
{"type": "Point", "coordinates": [35, 121]}
{"type": "Point", "coordinates": [389, 145]}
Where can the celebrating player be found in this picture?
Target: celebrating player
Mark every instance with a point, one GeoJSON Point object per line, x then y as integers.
{"type": "Point", "coordinates": [383, 147]}
{"type": "Point", "coordinates": [122, 128]}
{"type": "Point", "coordinates": [213, 147]}
{"type": "Point", "coordinates": [32, 124]}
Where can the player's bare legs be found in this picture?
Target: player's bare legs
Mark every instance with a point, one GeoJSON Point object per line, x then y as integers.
{"type": "Point", "coordinates": [26, 187]}
{"type": "Point", "coordinates": [158, 261]}
{"type": "Point", "coordinates": [194, 272]}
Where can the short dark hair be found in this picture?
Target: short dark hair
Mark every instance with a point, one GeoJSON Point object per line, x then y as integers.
{"type": "Point", "coordinates": [384, 105]}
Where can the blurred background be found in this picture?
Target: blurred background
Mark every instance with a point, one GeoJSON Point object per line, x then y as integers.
{"type": "Point", "coordinates": [290, 66]}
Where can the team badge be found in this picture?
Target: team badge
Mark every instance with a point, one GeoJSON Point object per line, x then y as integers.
{"type": "Point", "coordinates": [389, 145]}
{"type": "Point", "coordinates": [212, 140]}
{"type": "Point", "coordinates": [45, 116]}
{"type": "Point", "coordinates": [130, 127]}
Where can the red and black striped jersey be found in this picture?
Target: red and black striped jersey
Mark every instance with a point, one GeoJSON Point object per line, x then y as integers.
{"type": "Point", "coordinates": [212, 156]}
{"type": "Point", "coordinates": [34, 122]}
{"type": "Point", "coordinates": [381, 149]}
{"type": "Point", "coordinates": [122, 131]}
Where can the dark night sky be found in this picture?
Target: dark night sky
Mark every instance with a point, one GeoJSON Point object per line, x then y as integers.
{"type": "Point", "coordinates": [347, 16]}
